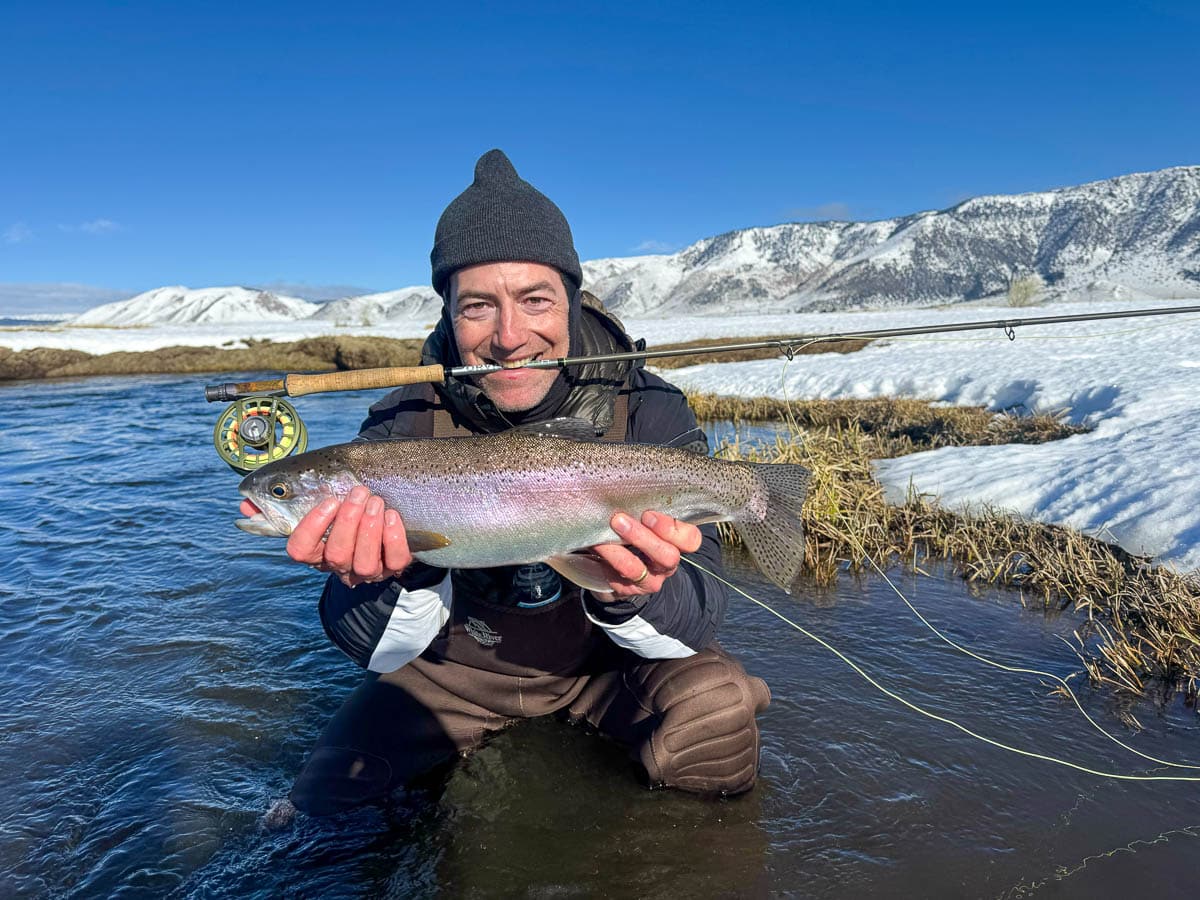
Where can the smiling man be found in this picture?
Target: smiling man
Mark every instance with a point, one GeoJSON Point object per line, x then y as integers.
{"type": "Point", "coordinates": [508, 314]}
{"type": "Point", "coordinates": [453, 656]}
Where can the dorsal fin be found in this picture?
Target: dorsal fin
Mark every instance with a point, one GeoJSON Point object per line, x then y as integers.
{"type": "Point", "coordinates": [566, 427]}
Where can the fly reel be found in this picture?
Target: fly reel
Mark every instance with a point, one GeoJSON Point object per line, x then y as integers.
{"type": "Point", "coordinates": [254, 431]}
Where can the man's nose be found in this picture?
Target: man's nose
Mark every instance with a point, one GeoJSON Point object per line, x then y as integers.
{"type": "Point", "coordinates": [512, 331]}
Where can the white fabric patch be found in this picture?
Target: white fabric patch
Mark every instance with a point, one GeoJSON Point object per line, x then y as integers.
{"type": "Point", "coordinates": [642, 638]}
{"type": "Point", "coordinates": [415, 621]}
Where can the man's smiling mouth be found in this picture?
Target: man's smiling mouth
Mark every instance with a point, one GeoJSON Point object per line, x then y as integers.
{"type": "Point", "coordinates": [514, 363]}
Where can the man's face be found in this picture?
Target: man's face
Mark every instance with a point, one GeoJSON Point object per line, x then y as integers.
{"type": "Point", "coordinates": [507, 313]}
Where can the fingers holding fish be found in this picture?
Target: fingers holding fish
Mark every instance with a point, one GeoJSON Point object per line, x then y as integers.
{"type": "Point", "coordinates": [368, 544]}
{"type": "Point", "coordinates": [306, 543]}
{"type": "Point", "coordinates": [652, 552]}
{"type": "Point", "coordinates": [683, 535]}
{"type": "Point", "coordinates": [396, 555]}
{"type": "Point", "coordinates": [342, 541]}
{"type": "Point", "coordinates": [631, 574]}
{"type": "Point", "coordinates": [357, 539]}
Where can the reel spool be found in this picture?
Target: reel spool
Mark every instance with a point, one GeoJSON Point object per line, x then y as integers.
{"type": "Point", "coordinates": [254, 431]}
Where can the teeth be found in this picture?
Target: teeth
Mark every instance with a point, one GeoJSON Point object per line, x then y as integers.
{"type": "Point", "coordinates": [516, 363]}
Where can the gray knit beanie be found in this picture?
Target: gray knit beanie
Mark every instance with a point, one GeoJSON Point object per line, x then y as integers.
{"type": "Point", "coordinates": [501, 218]}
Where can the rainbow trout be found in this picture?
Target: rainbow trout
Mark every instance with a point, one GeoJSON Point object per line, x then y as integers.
{"type": "Point", "coordinates": [538, 494]}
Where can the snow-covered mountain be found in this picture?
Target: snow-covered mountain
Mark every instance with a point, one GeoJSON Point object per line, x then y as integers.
{"type": "Point", "coordinates": [1132, 237]}
{"type": "Point", "coordinates": [180, 305]}
{"type": "Point", "coordinates": [1127, 237]}
{"type": "Point", "coordinates": [373, 309]}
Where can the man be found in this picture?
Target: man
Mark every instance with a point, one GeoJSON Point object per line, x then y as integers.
{"type": "Point", "coordinates": [455, 655]}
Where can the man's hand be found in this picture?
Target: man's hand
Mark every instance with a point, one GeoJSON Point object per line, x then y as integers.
{"type": "Point", "coordinates": [365, 543]}
{"type": "Point", "coordinates": [649, 554]}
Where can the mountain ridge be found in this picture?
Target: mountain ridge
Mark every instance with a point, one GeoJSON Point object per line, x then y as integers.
{"type": "Point", "coordinates": [1128, 237]}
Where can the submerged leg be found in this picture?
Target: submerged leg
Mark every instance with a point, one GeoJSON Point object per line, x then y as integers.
{"type": "Point", "coordinates": [689, 722]}
{"type": "Point", "coordinates": [391, 729]}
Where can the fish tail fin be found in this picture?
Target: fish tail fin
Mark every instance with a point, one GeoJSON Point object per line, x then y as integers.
{"type": "Point", "coordinates": [777, 540]}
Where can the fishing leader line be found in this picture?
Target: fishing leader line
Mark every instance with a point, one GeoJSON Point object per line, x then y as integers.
{"type": "Point", "coordinates": [927, 713]}
{"type": "Point", "coordinates": [1018, 669]}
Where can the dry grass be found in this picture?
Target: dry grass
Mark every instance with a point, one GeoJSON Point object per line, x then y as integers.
{"type": "Point", "coordinates": [897, 426]}
{"type": "Point", "coordinates": [1142, 622]}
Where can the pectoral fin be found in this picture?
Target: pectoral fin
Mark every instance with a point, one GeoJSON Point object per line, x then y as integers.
{"type": "Point", "coordinates": [426, 540]}
{"type": "Point", "coordinates": [586, 571]}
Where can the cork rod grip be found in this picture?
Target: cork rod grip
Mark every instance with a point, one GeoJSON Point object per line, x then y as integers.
{"type": "Point", "coordinates": [362, 379]}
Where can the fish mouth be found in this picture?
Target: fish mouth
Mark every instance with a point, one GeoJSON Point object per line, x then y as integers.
{"type": "Point", "coordinates": [259, 524]}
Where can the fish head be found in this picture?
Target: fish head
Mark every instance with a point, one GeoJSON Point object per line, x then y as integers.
{"type": "Point", "coordinates": [288, 489]}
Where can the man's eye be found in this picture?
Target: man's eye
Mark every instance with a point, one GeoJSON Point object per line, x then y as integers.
{"type": "Point", "coordinates": [473, 310]}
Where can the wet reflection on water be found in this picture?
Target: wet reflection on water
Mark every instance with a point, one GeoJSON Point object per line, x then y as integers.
{"type": "Point", "coordinates": [165, 675]}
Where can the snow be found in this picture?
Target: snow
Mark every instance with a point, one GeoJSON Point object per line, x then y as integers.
{"type": "Point", "coordinates": [180, 305]}
{"type": "Point", "coordinates": [406, 303]}
{"type": "Point", "coordinates": [1136, 382]}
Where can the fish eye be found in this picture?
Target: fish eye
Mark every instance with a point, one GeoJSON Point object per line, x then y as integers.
{"type": "Point", "coordinates": [280, 490]}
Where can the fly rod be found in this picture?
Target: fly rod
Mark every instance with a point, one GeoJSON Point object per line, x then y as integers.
{"type": "Point", "coordinates": [299, 385]}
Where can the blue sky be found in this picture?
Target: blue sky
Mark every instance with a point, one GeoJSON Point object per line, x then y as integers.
{"type": "Point", "coordinates": [144, 144]}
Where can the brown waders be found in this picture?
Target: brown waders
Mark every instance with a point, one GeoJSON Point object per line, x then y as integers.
{"type": "Point", "coordinates": [689, 722]}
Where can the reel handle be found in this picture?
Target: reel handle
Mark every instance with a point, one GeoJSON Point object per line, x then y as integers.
{"type": "Point", "coordinates": [362, 379]}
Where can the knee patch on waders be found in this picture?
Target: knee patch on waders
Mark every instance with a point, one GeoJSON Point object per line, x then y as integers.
{"type": "Point", "coordinates": [705, 738]}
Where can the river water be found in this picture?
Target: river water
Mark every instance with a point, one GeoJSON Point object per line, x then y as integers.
{"type": "Point", "coordinates": [164, 675]}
